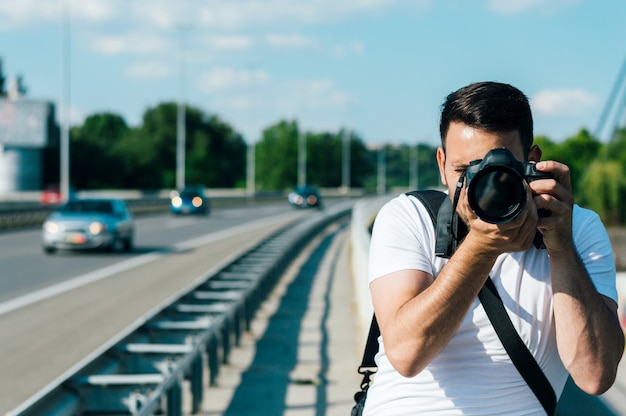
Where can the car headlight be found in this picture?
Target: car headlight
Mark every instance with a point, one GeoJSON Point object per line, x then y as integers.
{"type": "Point", "coordinates": [177, 201]}
{"type": "Point", "coordinates": [51, 227]}
{"type": "Point", "coordinates": [196, 201]}
{"type": "Point", "coordinates": [96, 227]}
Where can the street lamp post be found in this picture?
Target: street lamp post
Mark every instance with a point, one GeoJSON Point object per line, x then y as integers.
{"type": "Point", "coordinates": [251, 169]}
{"type": "Point", "coordinates": [382, 170]}
{"type": "Point", "coordinates": [181, 131]}
{"type": "Point", "coordinates": [414, 167]}
{"type": "Point", "coordinates": [345, 162]}
{"type": "Point", "coordinates": [64, 185]}
{"type": "Point", "coordinates": [301, 159]}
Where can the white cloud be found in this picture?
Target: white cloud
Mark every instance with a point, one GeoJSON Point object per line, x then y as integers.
{"type": "Point", "coordinates": [312, 95]}
{"type": "Point", "coordinates": [230, 42]}
{"type": "Point", "coordinates": [147, 70]}
{"type": "Point", "coordinates": [92, 10]}
{"type": "Point", "coordinates": [208, 14]}
{"type": "Point", "coordinates": [258, 13]}
{"type": "Point", "coordinates": [229, 78]}
{"type": "Point", "coordinates": [289, 41]}
{"type": "Point", "coordinates": [18, 13]}
{"type": "Point", "coordinates": [24, 13]}
{"type": "Point", "coordinates": [355, 48]}
{"type": "Point", "coordinates": [130, 43]}
{"type": "Point", "coordinates": [563, 102]}
{"type": "Point", "coordinates": [520, 6]}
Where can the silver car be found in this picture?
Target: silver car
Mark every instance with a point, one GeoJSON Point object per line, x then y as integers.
{"type": "Point", "coordinates": [89, 223]}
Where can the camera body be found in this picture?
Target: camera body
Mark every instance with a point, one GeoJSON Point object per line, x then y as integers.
{"type": "Point", "coordinates": [495, 186]}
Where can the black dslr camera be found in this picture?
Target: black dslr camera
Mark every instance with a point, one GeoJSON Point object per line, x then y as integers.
{"type": "Point", "coordinates": [495, 186]}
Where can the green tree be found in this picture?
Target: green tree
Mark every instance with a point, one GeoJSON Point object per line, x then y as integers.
{"type": "Point", "coordinates": [214, 153]}
{"type": "Point", "coordinates": [93, 164]}
{"type": "Point", "coordinates": [324, 159]}
{"type": "Point", "coordinates": [398, 166]}
{"type": "Point", "coordinates": [427, 168]}
{"type": "Point", "coordinates": [398, 160]}
{"type": "Point", "coordinates": [578, 153]}
{"type": "Point", "coordinates": [615, 149]}
{"type": "Point", "coordinates": [362, 162]}
{"type": "Point", "coordinates": [604, 187]}
{"type": "Point", "coordinates": [3, 79]}
{"type": "Point", "coordinates": [277, 157]}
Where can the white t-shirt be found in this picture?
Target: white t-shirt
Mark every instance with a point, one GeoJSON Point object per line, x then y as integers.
{"type": "Point", "coordinates": [473, 374]}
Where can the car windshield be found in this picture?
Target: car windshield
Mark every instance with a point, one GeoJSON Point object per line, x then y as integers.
{"type": "Point", "coordinates": [97, 207]}
{"type": "Point", "coordinates": [306, 189]}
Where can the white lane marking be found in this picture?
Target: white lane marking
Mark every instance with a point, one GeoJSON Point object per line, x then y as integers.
{"type": "Point", "coordinates": [105, 272]}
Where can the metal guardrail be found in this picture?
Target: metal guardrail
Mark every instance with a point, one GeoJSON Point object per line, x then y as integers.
{"type": "Point", "coordinates": [15, 215]}
{"type": "Point", "coordinates": [142, 371]}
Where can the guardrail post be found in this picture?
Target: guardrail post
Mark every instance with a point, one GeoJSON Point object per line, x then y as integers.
{"type": "Point", "coordinates": [175, 398]}
{"type": "Point", "coordinates": [197, 383]}
{"type": "Point", "coordinates": [213, 358]}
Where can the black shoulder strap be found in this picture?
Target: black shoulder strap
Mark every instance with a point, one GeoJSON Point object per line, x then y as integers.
{"type": "Point", "coordinates": [515, 347]}
{"type": "Point", "coordinates": [431, 199]}
{"type": "Point", "coordinates": [492, 303]}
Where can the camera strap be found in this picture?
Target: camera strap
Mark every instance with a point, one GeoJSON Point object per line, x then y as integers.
{"type": "Point", "coordinates": [449, 230]}
{"type": "Point", "coordinates": [439, 206]}
{"type": "Point", "coordinates": [515, 347]}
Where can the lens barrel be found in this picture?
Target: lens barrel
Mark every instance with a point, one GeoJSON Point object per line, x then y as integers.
{"type": "Point", "coordinates": [497, 194]}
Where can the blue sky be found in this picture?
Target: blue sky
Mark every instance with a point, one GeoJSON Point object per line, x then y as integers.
{"type": "Point", "coordinates": [379, 67]}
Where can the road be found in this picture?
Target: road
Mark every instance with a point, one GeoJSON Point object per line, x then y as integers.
{"type": "Point", "coordinates": [57, 310]}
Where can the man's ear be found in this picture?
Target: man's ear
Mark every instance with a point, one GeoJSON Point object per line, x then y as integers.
{"type": "Point", "coordinates": [534, 154]}
{"type": "Point", "coordinates": [441, 162]}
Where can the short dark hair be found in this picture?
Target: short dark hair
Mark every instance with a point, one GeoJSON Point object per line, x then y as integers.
{"type": "Point", "coordinates": [491, 106]}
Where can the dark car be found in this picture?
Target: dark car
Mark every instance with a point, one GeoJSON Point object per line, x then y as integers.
{"type": "Point", "coordinates": [89, 223]}
{"type": "Point", "coordinates": [190, 200]}
{"type": "Point", "coordinates": [305, 196]}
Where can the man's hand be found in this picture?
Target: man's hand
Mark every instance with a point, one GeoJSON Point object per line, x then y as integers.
{"type": "Point", "coordinates": [516, 235]}
{"type": "Point", "coordinates": [555, 196]}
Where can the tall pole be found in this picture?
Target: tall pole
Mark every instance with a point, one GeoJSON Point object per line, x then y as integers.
{"type": "Point", "coordinates": [251, 159]}
{"type": "Point", "coordinates": [301, 159]}
{"type": "Point", "coordinates": [251, 168]}
{"type": "Point", "coordinates": [181, 114]}
{"type": "Point", "coordinates": [414, 168]}
{"type": "Point", "coordinates": [65, 103]}
{"type": "Point", "coordinates": [382, 170]}
{"type": "Point", "coordinates": [345, 162]}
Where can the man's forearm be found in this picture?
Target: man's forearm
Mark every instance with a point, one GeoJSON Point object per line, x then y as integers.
{"type": "Point", "coordinates": [435, 314]}
{"type": "Point", "coordinates": [589, 338]}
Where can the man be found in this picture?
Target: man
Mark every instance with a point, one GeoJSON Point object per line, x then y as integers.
{"type": "Point", "coordinates": [438, 352]}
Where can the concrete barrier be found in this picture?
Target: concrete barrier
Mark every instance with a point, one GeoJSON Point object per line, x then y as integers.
{"type": "Point", "coordinates": [363, 215]}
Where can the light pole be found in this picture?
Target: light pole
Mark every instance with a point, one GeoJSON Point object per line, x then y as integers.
{"type": "Point", "coordinates": [181, 131]}
{"type": "Point", "coordinates": [301, 159]}
{"type": "Point", "coordinates": [345, 162]}
{"type": "Point", "coordinates": [251, 169]}
{"type": "Point", "coordinates": [64, 185]}
{"type": "Point", "coordinates": [382, 170]}
{"type": "Point", "coordinates": [414, 167]}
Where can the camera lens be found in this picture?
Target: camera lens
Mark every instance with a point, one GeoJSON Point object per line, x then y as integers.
{"type": "Point", "coordinates": [497, 194]}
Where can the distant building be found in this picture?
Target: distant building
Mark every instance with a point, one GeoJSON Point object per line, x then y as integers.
{"type": "Point", "coordinates": [27, 130]}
